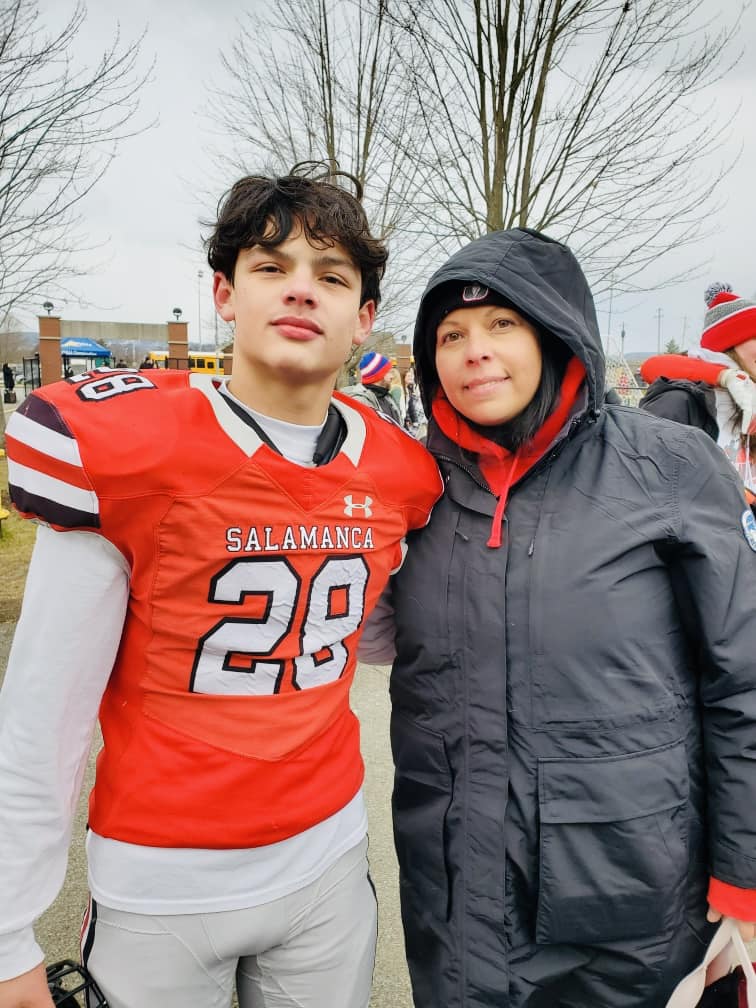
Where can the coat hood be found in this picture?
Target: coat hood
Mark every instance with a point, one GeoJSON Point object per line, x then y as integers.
{"type": "Point", "coordinates": [542, 279]}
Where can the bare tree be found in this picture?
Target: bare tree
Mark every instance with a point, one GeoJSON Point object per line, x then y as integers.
{"type": "Point", "coordinates": [60, 126]}
{"type": "Point", "coordinates": [323, 80]}
{"type": "Point", "coordinates": [588, 119]}
{"type": "Point", "coordinates": [13, 340]}
{"type": "Point", "coordinates": [583, 118]}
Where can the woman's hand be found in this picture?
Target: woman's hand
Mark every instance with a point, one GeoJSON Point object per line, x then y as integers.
{"type": "Point", "coordinates": [747, 928]}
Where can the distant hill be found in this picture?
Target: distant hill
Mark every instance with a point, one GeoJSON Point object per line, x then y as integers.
{"type": "Point", "coordinates": [636, 357]}
{"type": "Point", "coordinates": [16, 344]}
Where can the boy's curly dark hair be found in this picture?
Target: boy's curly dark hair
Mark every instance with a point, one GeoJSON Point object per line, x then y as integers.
{"type": "Point", "coordinates": [262, 210]}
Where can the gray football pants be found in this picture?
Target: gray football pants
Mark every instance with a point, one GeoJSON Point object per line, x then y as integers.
{"type": "Point", "coordinates": [312, 949]}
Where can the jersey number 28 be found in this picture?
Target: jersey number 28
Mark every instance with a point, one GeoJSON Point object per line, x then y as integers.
{"type": "Point", "coordinates": [236, 655]}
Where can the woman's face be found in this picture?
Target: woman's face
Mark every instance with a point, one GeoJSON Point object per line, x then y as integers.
{"type": "Point", "coordinates": [745, 355]}
{"type": "Point", "coordinates": [488, 360]}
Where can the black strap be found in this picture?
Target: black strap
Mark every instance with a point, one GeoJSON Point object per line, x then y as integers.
{"type": "Point", "coordinates": [330, 439]}
{"type": "Point", "coordinates": [249, 420]}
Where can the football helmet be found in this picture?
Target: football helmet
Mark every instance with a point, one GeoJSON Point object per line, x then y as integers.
{"type": "Point", "coordinates": [71, 986]}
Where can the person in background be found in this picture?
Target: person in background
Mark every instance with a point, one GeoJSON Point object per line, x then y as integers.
{"type": "Point", "coordinates": [573, 696]}
{"type": "Point", "coordinates": [8, 379]}
{"type": "Point", "coordinates": [207, 553]}
{"type": "Point", "coordinates": [147, 364]}
{"type": "Point", "coordinates": [375, 384]}
{"type": "Point", "coordinates": [713, 387]}
{"type": "Point", "coordinates": [414, 418]}
{"type": "Point", "coordinates": [396, 389]}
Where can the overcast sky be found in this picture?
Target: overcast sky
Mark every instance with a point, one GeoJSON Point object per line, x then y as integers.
{"type": "Point", "coordinates": [146, 211]}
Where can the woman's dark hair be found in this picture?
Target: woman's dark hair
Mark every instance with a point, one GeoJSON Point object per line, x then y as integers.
{"type": "Point", "coordinates": [260, 210]}
{"type": "Point", "coordinates": [555, 356]}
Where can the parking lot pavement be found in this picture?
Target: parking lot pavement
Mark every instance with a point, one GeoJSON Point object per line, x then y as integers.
{"type": "Point", "coordinates": [8, 408]}
{"type": "Point", "coordinates": [58, 928]}
{"type": "Point", "coordinates": [370, 701]}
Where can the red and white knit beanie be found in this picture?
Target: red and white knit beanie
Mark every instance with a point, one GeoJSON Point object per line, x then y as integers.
{"type": "Point", "coordinates": [729, 321]}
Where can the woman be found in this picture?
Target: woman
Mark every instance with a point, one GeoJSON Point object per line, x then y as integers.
{"type": "Point", "coordinates": [713, 388]}
{"type": "Point", "coordinates": [415, 420]}
{"type": "Point", "coordinates": [396, 391]}
{"type": "Point", "coordinates": [574, 705]}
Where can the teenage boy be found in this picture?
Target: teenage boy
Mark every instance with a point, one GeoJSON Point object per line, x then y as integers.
{"type": "Point", "coordinates": [207, 556]}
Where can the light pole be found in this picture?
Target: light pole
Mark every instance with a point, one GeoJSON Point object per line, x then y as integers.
{"type": "Point", "coordinates": [611, 299]}
{"type": "Point", "coordinates": [199, 308]}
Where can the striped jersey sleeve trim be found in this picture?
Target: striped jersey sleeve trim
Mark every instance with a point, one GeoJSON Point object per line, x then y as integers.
{"type": "Point", "coordinates": [44, 413]}
{"type": "Point", "coordinates": [53, 500]}
{"type": "Point", "coordinates": [23, 455]}
{"type": "Point", "coordinates": [43, 438]}
{"type": "Point", "coordinates": [45, 471]}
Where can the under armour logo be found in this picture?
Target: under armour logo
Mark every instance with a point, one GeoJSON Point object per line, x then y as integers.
{"type": "Point", "coordinates": [350, 506]}
{"type": "Point", "coordinates": [474, 292]}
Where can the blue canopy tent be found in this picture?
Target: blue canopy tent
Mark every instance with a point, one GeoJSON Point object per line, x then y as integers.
{"type": "Point", "coordinates": [81, 349]}
{"type": "Point", "coordinates": [78, 346]}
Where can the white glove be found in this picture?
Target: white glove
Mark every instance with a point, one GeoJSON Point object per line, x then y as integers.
{"type": "Point", "coordinates": [742, 392]}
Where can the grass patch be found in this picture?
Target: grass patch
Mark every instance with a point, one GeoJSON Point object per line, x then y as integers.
{"type": "Point", "coordinates": [15, 550]}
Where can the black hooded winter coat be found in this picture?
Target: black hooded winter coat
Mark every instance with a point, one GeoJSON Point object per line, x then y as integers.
{"type": "Point", "coordinates": [688, 402]}
{"type": "Point", "coordinates": [574, 713]}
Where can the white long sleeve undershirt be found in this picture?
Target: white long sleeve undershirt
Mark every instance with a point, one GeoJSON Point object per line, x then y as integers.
{"type": "Point", "coordinates": [64, 648]}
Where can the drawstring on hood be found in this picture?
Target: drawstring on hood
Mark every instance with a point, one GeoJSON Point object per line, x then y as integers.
{"type": "Point", "coordinates": [500, 467]}
{"type": "Point", "coordinates": [494, 540]}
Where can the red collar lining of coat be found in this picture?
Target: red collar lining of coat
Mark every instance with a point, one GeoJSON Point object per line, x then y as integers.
{"type": "Point", "coordinates": [500, 467]}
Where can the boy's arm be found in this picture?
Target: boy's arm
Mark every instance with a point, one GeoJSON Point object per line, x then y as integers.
{"type": "Point", "coordinates": [376, 644]}
{"type": "Point", "coordinates": [65, 645]}
{"type": "Point", "coordinates": [29, 990]}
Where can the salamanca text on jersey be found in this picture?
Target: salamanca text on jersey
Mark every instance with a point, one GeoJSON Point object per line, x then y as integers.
{"type": "Point", "coordinates": [268, 539]}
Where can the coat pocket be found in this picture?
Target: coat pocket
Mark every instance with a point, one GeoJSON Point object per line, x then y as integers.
{"type": "Point", "coordinates": [422, 794]}
{"type": "Point", "coordinates": [613, 847]}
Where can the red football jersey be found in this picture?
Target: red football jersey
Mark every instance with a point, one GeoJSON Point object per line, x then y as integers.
{"type": "Point", "coordinates": [226, 720]}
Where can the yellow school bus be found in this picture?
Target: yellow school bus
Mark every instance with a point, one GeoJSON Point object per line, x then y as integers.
{"type": "Point", "coordinates": [205, 363]}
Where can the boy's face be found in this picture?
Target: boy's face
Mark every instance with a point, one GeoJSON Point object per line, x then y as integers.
{"type": "Point", "coordinates": [297, 313]}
